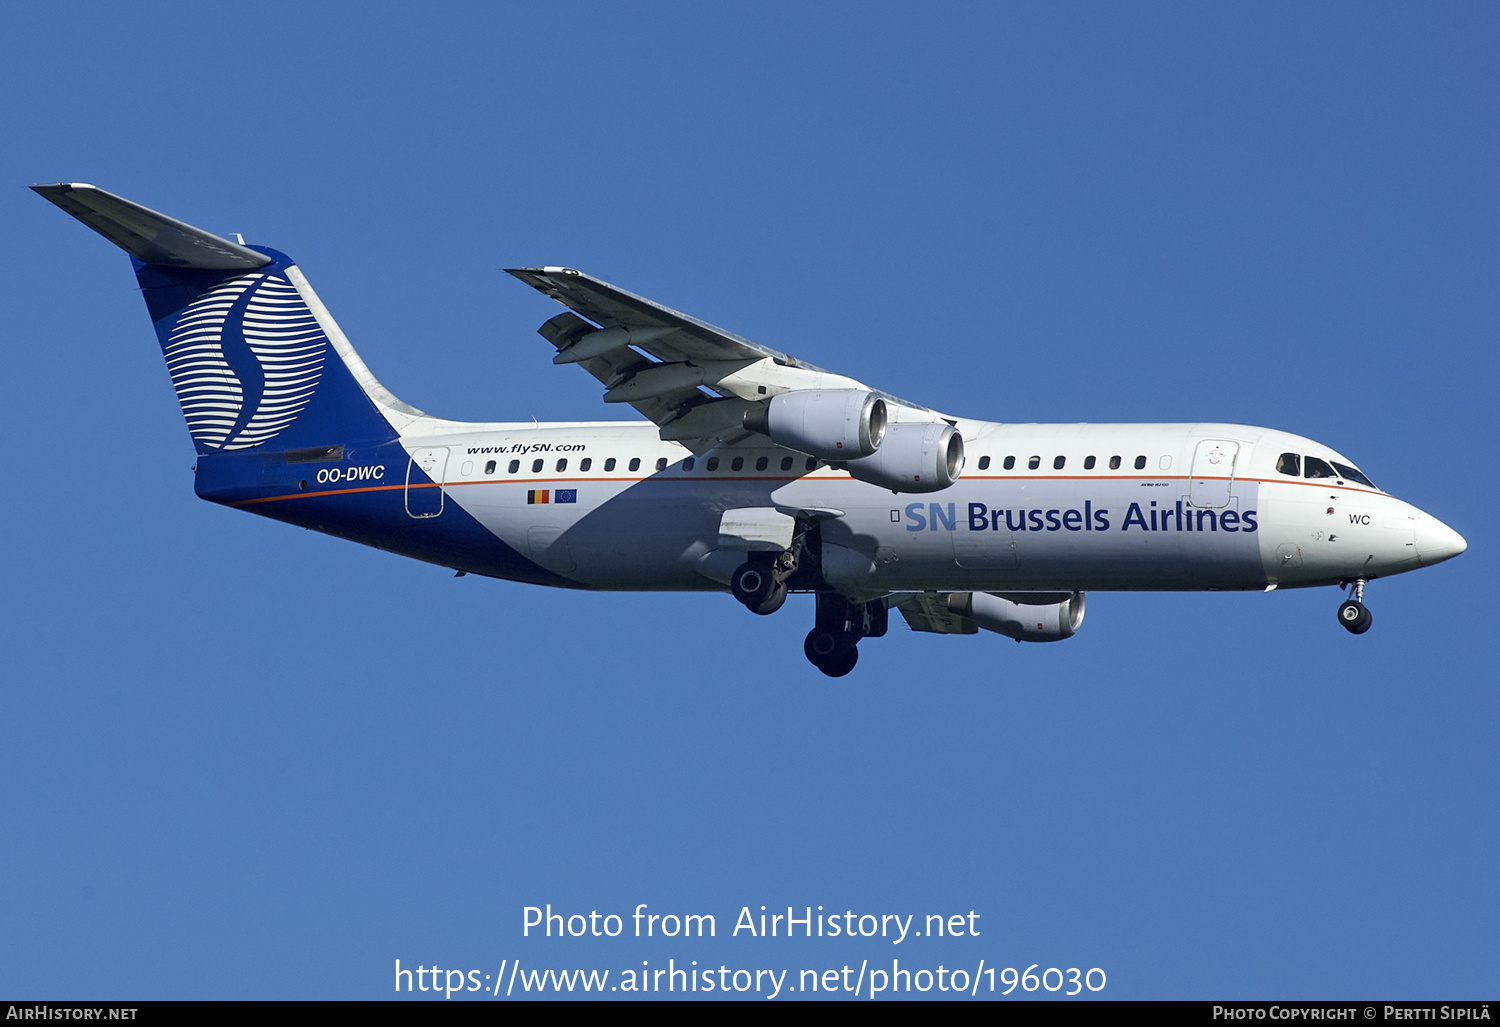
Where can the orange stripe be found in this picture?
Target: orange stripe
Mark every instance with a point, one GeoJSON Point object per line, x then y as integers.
{"type": "Point", "coordinates": [1315, 483]}
{"type": "Point", "coordinates": [330, 492]}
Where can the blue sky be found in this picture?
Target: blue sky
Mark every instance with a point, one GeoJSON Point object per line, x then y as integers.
{"type": "Point", "coordinates": [243, 760]}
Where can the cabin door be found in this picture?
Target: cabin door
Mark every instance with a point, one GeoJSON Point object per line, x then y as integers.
{"type": "Point", "coordinates": [425, 476]}
{"type": "Point", "coordinates": [1213, 474]}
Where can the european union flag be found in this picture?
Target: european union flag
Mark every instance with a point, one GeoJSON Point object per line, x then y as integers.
{"type": "Point", "coordinates": [566, 496]}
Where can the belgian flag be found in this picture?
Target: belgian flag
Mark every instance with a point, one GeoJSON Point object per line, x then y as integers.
{"type": "Point", "coordinates": [536, 496]}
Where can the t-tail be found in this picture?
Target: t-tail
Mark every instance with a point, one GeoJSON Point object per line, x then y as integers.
{"type": "Point", "coordinates": [287, 420]}
{"type": "Point", "coordinates": [257, 361]}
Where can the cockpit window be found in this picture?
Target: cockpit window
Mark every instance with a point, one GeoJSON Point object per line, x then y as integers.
{"type": "Point", "coordinates": [1289, 463]}
{"type": "Point", "coordinates": [1315, 468]}
{"type": "Point", "coordinates": [1353, 474]}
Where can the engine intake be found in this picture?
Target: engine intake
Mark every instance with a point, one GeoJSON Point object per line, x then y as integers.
{"type": "Point", "coordinates": [831, 424]}
{"type": "Point", "coordinates": [913, 458]}
{"type": "Point", "coordinates": [1025, 623]}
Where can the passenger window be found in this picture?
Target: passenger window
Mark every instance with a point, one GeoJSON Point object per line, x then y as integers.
{"type": "Point", "coordinates": [760, 465]}
{"type": "Point", "coordinates": [562, 465]}
{"type": "Point", "coordinates": [586, 463]}
{"type": "Point", "coordinates": [1010, 463]}
{"type": "Point", "coordinates": [536, 467]}
{"type": "Point", "coordinates": [635, 463]}
{"type": "Point", "coordinates": [688, 463]}
{"type": "Point", "coordinates": [737, 464]}
{"type": "Point", "coordinates": [984, 463]}
{"type": "Point", "coordinates": [812, 463]}
{"type": "Point", "coordinates": [1315, 468]}
{"type": "Point", "coordinates": [1353, 474]}
{"type": "Point", "coordinates": [1088, 463]}
{"type": "Point", "coordinates": [713, 463]}
{"type": "Point", "coordinates": [609, 465]}
{"type": "Point", "coordinates": [489, 467]}
{"type": "Point", "coordinates": [1034, 462]}
{"type": "Point", "coordinates": [1289, 463]}
{"type": "Point", "coordinates": [1057, 464]}
{"type": "Point", "coordinates": [1114, 463]}
{"type": "Point", "coordinates": [1140, 463]}
{"type": "Point", "coordinates": [786, 463]}
{"type": "Point", "coordinates": [515, 466]}
{"type": "Point", "coordinates": [661, 463]}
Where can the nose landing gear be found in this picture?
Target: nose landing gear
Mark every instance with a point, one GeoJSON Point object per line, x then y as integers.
{"type": "Point", "coordinates": [1353, 614]}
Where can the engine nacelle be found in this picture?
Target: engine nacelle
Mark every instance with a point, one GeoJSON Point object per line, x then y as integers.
{"type": "Point", "coordinates": [913, 458]}
{"type": "Point", "coordinates": [1024, 623]}
{"type": "Point", "coordinates": [831, 424]}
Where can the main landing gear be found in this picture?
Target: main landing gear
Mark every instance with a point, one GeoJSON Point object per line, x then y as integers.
{"type": "Point", "coordinates": [758, 586]}
{"type": "Point", "coordinates": [1353, 615]}
{"type": "Point", "coordinates": [831, 645]}
{"type": "Point", "coordinates": [762, 581]}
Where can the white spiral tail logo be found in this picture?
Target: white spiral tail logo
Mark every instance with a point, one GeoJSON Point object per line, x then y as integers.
{"type": "Point", "coordinates": [245, 358]}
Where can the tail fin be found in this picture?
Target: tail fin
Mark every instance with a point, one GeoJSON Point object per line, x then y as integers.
{"type": "Point", "coordinates": [252, 351]}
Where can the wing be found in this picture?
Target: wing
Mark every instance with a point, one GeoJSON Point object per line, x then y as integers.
{"type": "Point", "coordinates": [693, 380]}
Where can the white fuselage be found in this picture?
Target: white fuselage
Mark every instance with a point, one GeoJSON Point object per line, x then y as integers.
{"type": "Point", "coordinates": [1040, 507]}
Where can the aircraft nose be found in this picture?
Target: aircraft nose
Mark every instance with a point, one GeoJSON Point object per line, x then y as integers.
{"type": "Point", "coordinates": [1436, 541]}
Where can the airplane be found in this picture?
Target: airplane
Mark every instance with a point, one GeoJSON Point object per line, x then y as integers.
{"type": "Point", "coordinates": [754, 472]}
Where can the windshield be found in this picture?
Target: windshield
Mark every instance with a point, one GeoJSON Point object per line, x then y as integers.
{"type": "Point", "coordinates": [1315, 468]}
{"type": "Point", "coordinates": [1353, 474]}
{"type": "Point", "coordinates": [1295, 465]}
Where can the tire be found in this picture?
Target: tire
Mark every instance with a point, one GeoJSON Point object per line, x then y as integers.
{"type": "Point", "coordinates": [751, 583]}
{"type": "Point", "coordinates": [844, 661]}
{"type": "Point", "coordinates": [771, 603]}
{"type": "Point", "coordinates": [832, 652]}
{"type": "Point", "coordinates": [820, 645]}
{"type": "Point", "coordinates": [1355, 618]}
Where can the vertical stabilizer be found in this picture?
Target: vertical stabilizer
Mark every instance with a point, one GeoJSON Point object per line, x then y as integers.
{"type": "Point", "coordinates": [255, 357]}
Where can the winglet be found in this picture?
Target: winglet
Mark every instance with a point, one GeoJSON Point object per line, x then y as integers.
{"type": "Point", "coordinates": [149, 237]}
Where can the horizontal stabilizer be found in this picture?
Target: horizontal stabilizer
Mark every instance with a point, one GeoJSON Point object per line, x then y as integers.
{"type": "Point", "coordinates": [149, 237]}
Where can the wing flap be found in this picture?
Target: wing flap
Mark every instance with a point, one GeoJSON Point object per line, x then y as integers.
{"type": "Point", "coordinates": [928, 611]}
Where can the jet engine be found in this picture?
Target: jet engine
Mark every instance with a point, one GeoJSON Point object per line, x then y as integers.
{"type": "Point", "coordinates": [1021, 621]}
{"type": "Point", "coordinates": [831, 424]}
{"type": "Point", "coordinates": [913, 458]}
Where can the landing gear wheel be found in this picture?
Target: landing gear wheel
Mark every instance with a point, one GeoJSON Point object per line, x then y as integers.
{"type": "Point", "coordinates": [752, 583]}
{"type": "Point", "coordinates": [843, 661]}
{"type": "Point", "coordinates": [832, 652]}
{"type": "Point", "coordinates": [1355, 618]}
{"type": "Point", "coordinates": [771, 603]}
